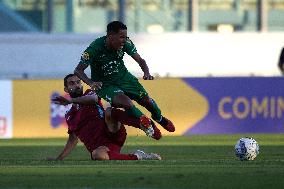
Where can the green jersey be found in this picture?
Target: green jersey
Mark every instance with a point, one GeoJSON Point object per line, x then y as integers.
{"type": "Point", "coordinates": [106, 65]}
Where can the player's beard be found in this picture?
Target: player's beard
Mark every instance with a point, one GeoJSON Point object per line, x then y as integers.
{"type": "Point", "coordinates": [77, 92]}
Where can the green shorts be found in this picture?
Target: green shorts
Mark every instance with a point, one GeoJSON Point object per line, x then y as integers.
{"type": "Point", "coordinates": [129, 85]}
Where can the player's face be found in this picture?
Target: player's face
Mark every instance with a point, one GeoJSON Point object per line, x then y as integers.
{"type": "Point", "coordinates": [74, 87]}
{"type": "Point", "coordinates": [118, 40]}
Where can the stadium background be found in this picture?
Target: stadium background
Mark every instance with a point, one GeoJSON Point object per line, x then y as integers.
{"type": "Point", "coordinates": [41, 41]}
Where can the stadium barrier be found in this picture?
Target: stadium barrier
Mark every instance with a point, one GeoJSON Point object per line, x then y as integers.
{"type": "Point", "coordinates": [169, 54]}
{"type": "Point", "coordinates": [195, 105]}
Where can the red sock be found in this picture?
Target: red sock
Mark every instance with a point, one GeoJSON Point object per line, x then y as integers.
{"type": "Point", "coordinates": [124, 118]}
{"type": "Point", "coordinates": [117, 156]}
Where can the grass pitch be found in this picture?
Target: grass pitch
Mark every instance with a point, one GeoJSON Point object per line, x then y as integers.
{"type": "Point", "coordinates": [189, 162]}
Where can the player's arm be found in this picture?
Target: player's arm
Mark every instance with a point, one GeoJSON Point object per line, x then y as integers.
{"type": "Point", "coordinates": [131, 50]}
{"type": "Point", "coordinates": [80, 73]}
{"type": "Point", "coordinates": [88, 99]}
{"type": "Point", "coordinates": [86, 59]}
{"type": "Point", "coordinates": [143, 66]}
{"type": "Point", "coordinates": [70, 145]}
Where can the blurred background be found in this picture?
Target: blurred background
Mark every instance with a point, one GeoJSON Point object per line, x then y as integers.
{"type": "Point", "coordinates": [178, 38]}
{"type": "Point", "coordinates": [220, 57]}
{"type": "Point", "coordinates": [142, 16]}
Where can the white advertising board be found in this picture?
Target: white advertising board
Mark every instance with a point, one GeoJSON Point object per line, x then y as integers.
{"type": "Point", "coordinates": [170, 54]}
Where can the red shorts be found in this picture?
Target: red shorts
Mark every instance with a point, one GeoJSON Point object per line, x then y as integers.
{"type": "Point", "coordinates": [95, 133]}
{"type": "Point", "coordinates": [116, 140]}
{"type": "Point", "coordinates": [103, 137]}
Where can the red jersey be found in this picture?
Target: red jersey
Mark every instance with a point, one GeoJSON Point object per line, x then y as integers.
{"type": "Point", "coordinates": [88, 124]}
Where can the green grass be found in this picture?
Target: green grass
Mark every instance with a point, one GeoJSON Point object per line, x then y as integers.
{"type": "Point", "coordinates": [189, 162]}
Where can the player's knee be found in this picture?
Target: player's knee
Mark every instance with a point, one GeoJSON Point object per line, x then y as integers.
{"type": "Point", "coordinates": [146, 101]}
{"type": "Point", "coordinates": [100, 153]}
{"type": "Point", "coordinates": [111, 119]}
{"type": "Point", "coordinates": [121, 100]}
{"type": "Point", "coordinates": [108, 113]}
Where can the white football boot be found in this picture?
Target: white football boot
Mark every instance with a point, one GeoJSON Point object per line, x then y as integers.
{"type": "Point", "coordinates": [145, 156]}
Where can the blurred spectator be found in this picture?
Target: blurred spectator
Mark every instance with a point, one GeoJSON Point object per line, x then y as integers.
{"type": "Point", "coordinates": [281, 61]}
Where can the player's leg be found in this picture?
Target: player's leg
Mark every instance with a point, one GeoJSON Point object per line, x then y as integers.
{"type": "Point", "coordinates": [134, 90]}
{"type": "Point", "coordinates": [116, 97]}
{"type": "Point", "coordinates": [144, 122]}
{"type": "Point", "coordinates": [118, 156]}
{"type": "Point", "coordinates": [118, 140]}
{"type": "Point", "coordinates": [110, 149]}
{"type": "Point", "coordinates": [152, 107]}
{"type": "Point", "coordinates": [112, 123]}
{"type": "Point", "coordinates": [114, 117]}
{"type": "Point", "coordinates": [104, 153]}
{"type": "Point", "coordinates": [123, 101]}
{"type": "Point", "coordinates": [100, 153]}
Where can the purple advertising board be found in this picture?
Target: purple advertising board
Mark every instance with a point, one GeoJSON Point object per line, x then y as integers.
{"type": "Point", "coordinates": [240, 105]}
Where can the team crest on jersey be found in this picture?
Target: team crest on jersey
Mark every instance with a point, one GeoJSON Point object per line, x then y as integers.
{"type": "Point", "coordinates": [85, 56]}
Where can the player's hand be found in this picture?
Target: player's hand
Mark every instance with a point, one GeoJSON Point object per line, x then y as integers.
{"type": "Point", "coordinates": [60, 100]}
{"type": "Point", "coordinates": [148, 77]}
{"type": "Point", "coordinates": [96, 85]}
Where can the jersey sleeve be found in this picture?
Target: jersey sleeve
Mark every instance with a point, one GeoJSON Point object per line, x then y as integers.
{"type": "Point", "coordinates": [129, 47]}
{"type": "Point", "coordinates": [89, 55]}
{"type": "Point", "coordinates": [91, 92]}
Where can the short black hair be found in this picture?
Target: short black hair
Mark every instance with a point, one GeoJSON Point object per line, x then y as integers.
{"type": "Point", "coordinates": [66, 77]}
{"type": "Point", "coordinates": [115, 26]}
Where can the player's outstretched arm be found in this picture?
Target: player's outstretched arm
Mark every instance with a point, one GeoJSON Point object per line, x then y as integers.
{"type": "Point", "coordinates": [89, 99]}
{"type": "Point", "coordinates": [80, 73]}
{"type": "Point", "coordinates": [143, 66]}
{"type": "Point", "coordinates": [70, 145]}
{"type": "Point", "coordinates": [86, 100]}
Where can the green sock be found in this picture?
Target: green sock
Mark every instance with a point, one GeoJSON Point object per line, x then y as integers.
{"type": "Point", "coordinates": [156, 112]}
{"type": "Point", "coordinates": [134, 111]}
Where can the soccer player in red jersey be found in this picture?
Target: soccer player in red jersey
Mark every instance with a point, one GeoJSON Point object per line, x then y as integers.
{"type": "Point", "coordinates": [101, 131]}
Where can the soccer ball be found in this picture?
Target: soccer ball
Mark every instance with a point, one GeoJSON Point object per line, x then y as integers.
{"type": "Point", "coordinates": [246, 149]}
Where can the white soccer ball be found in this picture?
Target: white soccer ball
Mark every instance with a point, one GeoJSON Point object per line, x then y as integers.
{"type": "Point", "coordinates": [246, 149]}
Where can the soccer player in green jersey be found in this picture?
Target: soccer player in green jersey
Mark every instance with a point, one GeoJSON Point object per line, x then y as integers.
{"type": "Point", "coordinates": [111, 79]}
